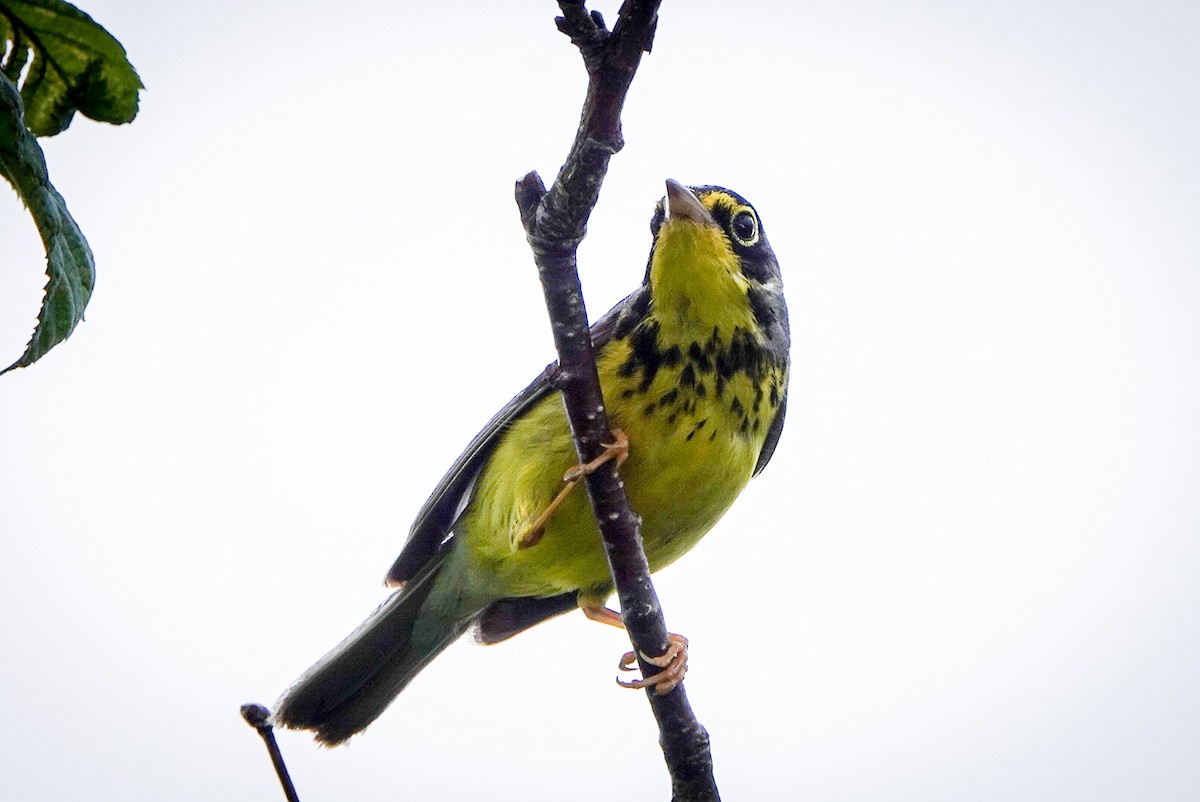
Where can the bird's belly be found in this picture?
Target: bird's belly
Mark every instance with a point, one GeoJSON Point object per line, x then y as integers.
{"type": "Point", "coordinates": [683, 479]}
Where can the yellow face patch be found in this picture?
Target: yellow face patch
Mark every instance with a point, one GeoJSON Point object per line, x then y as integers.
{"type": "Point", "coordinates": [715, 198]}
{"type": "Point", "coordinates": [743, 224]}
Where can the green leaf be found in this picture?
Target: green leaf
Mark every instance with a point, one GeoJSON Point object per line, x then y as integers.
{"type": "Point", "coordinates": [76, 65]}
{"type": "Point", "coordinates": [69, 262]}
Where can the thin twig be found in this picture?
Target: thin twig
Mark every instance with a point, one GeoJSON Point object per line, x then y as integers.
{"type": "Point", "coordinates": [555, 222]}
{"type": "Point", "coordinates": [259, 718]}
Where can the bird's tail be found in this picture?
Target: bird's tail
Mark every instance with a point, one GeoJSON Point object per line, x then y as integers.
{"type": "Point", "coordinates": [353, 684]}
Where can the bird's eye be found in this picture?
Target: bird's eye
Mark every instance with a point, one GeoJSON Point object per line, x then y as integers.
{"type": "Point", "coordinates": [745, 227]}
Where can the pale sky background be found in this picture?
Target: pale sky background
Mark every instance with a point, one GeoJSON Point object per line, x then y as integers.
{"type": "Point", "coordinates": [971, 572]}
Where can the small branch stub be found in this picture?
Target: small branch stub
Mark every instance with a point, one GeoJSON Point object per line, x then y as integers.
{"type": "Point", "coordinates": [259, 717]}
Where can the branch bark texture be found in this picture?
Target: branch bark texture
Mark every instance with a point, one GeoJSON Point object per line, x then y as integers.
{"type": "Point", "coordinates": [555, 222]}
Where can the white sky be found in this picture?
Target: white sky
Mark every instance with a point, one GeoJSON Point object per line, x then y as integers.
{"type": "Point", "coordinates": [970, 573]}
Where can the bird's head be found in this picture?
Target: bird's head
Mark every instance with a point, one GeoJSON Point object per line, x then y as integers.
{"type": "Point", "coordinates": [711, 264]}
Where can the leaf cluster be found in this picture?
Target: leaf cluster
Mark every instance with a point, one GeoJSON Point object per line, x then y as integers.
{"type": "Point", "coordinates": [56, 61]}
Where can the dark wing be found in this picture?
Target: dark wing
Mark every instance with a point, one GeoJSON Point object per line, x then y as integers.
{"type": "Point", "coordinates": [436, 519]}
{"type": "Point", "coordinates": [773, 433]}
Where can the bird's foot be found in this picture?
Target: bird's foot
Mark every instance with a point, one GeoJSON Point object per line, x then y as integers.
{"type": "Point", "coordinates": [673, 663]}
{"type": "Point", "coordinates": [618, 450]}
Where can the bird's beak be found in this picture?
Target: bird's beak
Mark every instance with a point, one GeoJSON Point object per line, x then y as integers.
{"type": "Point", "coordinates": [682, 204]}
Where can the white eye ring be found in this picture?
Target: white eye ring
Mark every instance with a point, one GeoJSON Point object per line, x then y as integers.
{"type": "Point", "coordinates": [743, 225]}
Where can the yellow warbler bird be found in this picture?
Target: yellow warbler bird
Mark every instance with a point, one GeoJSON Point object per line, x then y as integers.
{"type": "Point", "coordinates": [694, 370]}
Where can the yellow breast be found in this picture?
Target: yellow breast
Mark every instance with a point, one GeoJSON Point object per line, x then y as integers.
{"type": "Point", "coordinates": [701, 433]}
{"type": "Point", "coordinates": [696, 426]}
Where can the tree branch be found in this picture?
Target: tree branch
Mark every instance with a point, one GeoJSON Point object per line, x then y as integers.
{"type": "Point", "coordinates": [555, 222]}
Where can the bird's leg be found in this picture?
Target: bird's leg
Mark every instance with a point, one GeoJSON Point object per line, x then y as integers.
{"type": "Point", "coordinates": [673, 662]}
{"type": "Point", "coordinates": [618, 450]}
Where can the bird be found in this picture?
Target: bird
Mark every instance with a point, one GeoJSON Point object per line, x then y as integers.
{"type": "Point", "coordinates": [693, 366]}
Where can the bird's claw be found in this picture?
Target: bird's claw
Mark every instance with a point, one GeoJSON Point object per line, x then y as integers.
{"type": "Point", "coordinates": [673, 663]}
{"type": "Point", "coordinates": [617, 450]}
